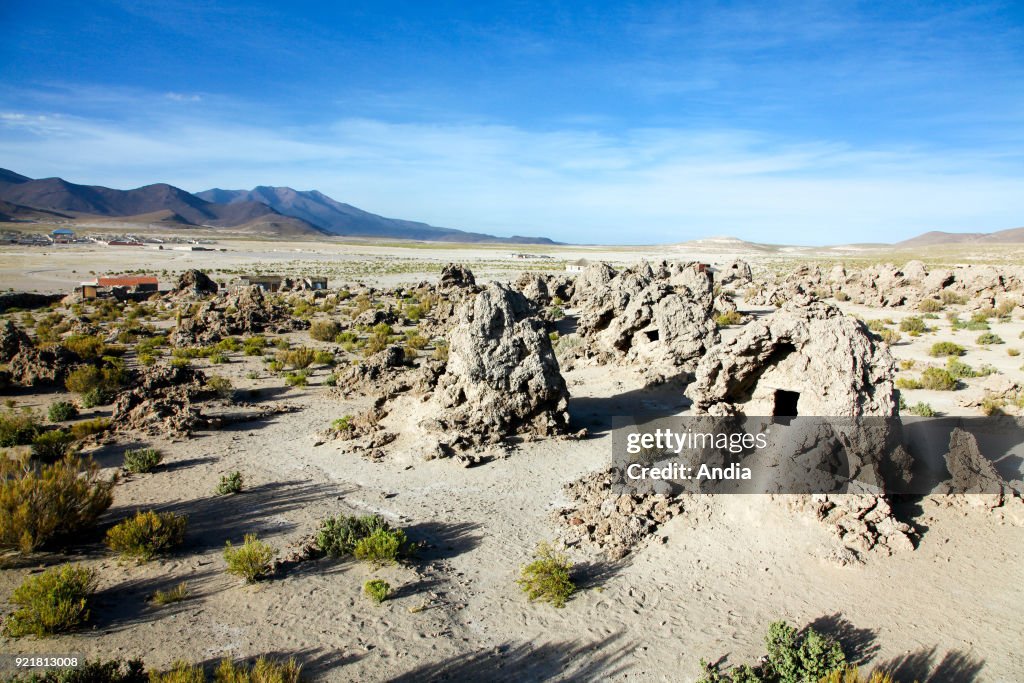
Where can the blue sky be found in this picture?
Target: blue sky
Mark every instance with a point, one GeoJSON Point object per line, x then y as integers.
{"type": "Point", "coordinates": [617, 122]}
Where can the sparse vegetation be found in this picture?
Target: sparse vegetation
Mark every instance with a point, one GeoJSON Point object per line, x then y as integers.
{"type": "Point", "coordinates": [728, 318]}
{"type": "Point", "coordinates": [377, 589]}
{"type": "Point", "coordinates": [18, 428]}
{"type": "Point", "coordinates": [381, 547]}
{"type": "Point", "coordinates": [39, 502]}
{"type": "Point", "coordinates": [913, 326]}
{"type": "Point", "coordinates": [141, 460]}
{"type": "Point", "coordinates": [52, 445]}
{"type": "Point", "coordinates": [62, 411]}
{"type": "Point", "coordinates": [229, 484]}
{"type": "Point", "coordinates": [921, 409]}
{"type": "Point", "coordinates": [147, 535]}
{"type": "Point", "coordinates": [220, 386]}
{"type": "Point", "coordinates": [324, 330]}
{"type": "Point", "coordinates": [946, 348]}
{"type": "Point", "coordinates": [85, 428]}
{"type": "Point", "coordinates": [930, 306]}
{"type": "Point", "coordinates": [793, 657]}
{"type": "Point", "coordinates": [547, 578]}
{"type": "Point", "coordinates": [170, 596]}
{"type": "Point", "coordinates": [339, 536]}
{"type": "Point", "coordinates": [56, 601]}
{"type": "Point", "coordinates": [251, 560]}
{"type": "Point", "coordinates": [989, 338]}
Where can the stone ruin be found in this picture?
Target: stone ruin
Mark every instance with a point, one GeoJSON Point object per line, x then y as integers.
{"type": "Point", "coordinates": [27, 364]}
{"type": "Point", "coordinates": [810, 359]}
{"type": "Point", "coordinates": [501, 377]}
{"type": "Point", "coordinates": [245, 311]}
{"type": "Point", "coordinates": [656, 316]}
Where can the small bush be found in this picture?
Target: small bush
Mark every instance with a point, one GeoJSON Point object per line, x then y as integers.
{"type": "Point", "coordinates": [297, 379]}
{"type": "Point", "coordinates": [97, 396]}
{"type": "Point", "coordinates": [263, 670]}
{"type": "Point", "coordinates": [441, 352]}
{"type": "Point", "coordinates": [56, 601]}
{"type": "Point", "coordinates": [381, 547]}
{"type": "Point", "coordinates": [141, 460]}
{"type": "Point", "coordinates": [556, 313]}
{"type": "Point", "coordinates": [92, 671]}
{"type": "Point", "coordinates": [888, 336]}
{"type": "Point", "coordinates": [852, 674]}
{"type": "Point", "coordinates": [83, 379]}
{"type": "Point", "coordinates": [952, 298]}
{"type": "Point", "coordinates": [989, 338]}
{"type": "Point", "coordinates": [377, 589]}
{"type": "Point", "coordinates": [930, 306]}
{"type": "Point", "coordinates": [876, 325]}
{"type": "Point", "coordinates": [842, 296]}
{"type": "Point", "coordinates": [907, 383]}
{"type": "Point", "coordinates": [221, 386]}
{"type": "Point", "coordinates": [229, 484]}
{"type": "Point", "coordinates": [990, 405]}
{"type": "Point", "coordinates": [324, 358]}
{"type": "Point", "coordinates": [547, 578]}
{"type": "Point", "coordinates": [53, 445]}
{"type": "Point", "coordinates": [324, 330]}
{"type": "Point", "coordinates": [913, 326]}
{"type": "Point", "coordinates": [1005, 308]}
{"type": "Point", "coordinates": [181, 672]}
{"type": "Point", "coordinates": [171, 595]}
{"type": "Point", "coordinates": [41, 502]}
{"type": "Point", "coordinates": [86, 428]}
{"type": "Point", "coordinates": [299, 359]}
{"type": "Point", "coordinates": [338, 536]}
{"type": "Point", "coordinates": [342, 424]}
{"type": "Point", "coordinates": [86, 347]}
{"type": "Point", "coordinates": [147, 535]}
{"type": "Point", "coordinates": [62, 411]}
{"type": "Point", "coordinates": [18, 428]}
{"type": "Point", "coordinates": [794, 657]}
{"type": "Point", "coordinates": [938, 379]}
{"type": "Point", "coordinates": [728, 318]}
{"type": "Point", "coordinates": [251, 560]}
{"type": "Point", "coordinates": [946, 348]}
{"type": "Point", "coordinates": [1013, 353]}
{"type": "Point", "coordinates": [921, 409]}
{"type": "Point", "coordinates": [218, 359]}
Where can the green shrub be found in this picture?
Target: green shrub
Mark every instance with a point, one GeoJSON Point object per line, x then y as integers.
{"type": "Point", "coordinates": [253, 346]}
{"type": "Point", "coordinates": [377, 589]}
{"type": "Point", "coordinates": [346, 338]}
{"type": "Point", "coordinates": [39, 502]}
{"type": "Point", "coordinates": [221, 386]}
{"type": "Point", "coordinates": [793, 657]}
{"type": "Point", "coordinates": [1005, 308]}
{"type": "Point", "coordinates": [263, 670]}
{"type": "Point", "coordinates": [324, 330]}
{"type": "Point", "coordinates": [888, 336]}
{"type": "Point", "coordinates": [56, 601]}
{"type": "Point", "coordinates": [921, 409]}
{"type": "Point", "coordinates": [952, 298]}
{"type": "Point", "coordinates": [907, 383]}
{"type": "Point", "coordinates": [728, 318]}
{"type": "Point", "coordinates": [946, 348]}
{"type": "Point", "coordinates": [297, 359]}
{"type": "Point", "coordinates": [18, 428]}
{"type": "Point", "coordinates": [556, 313]}
{"type": "Point", "coordinates": [83, 379]}
{"type": "Point", "coordinates": [97, 396]}
{"type": "Point", "coordinates": [875, 325]}
{"type": "Point", "coordinates": [53, 445]}
{"type": "Point", "coordinates": [991, 405]}
{"type": "Point", "coordinates": [181, 672]}
{"type": "Point", "coordinates": [251, 560]}
{"type": "Point", "coordinates": [86, 428]}
{"type": "Point", "coordinates": [338, 536]}
{"type": "Point", "coordinates": [331, 380]}
{"type": "Point", "coordinates": [230, 483]}
{"type": "Point", "coordinates": [415, 340]}
{"type": "Point", "coordinates": [141, 460]}
{"type": "Point", "coordinates": [171, 595]}
{"type": "Point", "coordinates": [989, 338]}
{"type": "Point", "coordinates": [181, 362]}
{"type": "Point", "coordinates": [852, 674]}
{"type": "Point", "coordinates": [929, 306]}
{"type": "Point", "coordinates": [381, 547]}
{"type": "Point", "coordinates": [218, 359]}
{"type": "Point", "coordinates": [913, 325]}
{"type": "Point", "coordinates": [86, 347]}
{"type": "Point", "coordinates": [147, 535]}
{"type": "Point", "coordinates": [342, 424]}
{"type": "Point", "coordinates": [938, 379]}
{"type": "Point", "coordinates": [1013, 353]}
{"type": "Point", "coordinates": [441, 352]}
{"type": "Point", "coordinates": [842, 296]}
{"type": "Point", "coordinates": [547, 578]}
{"type": "Point", "coordinates": [297, 379]}
{"type": "Point", "coordinates": [324, 358]}
{"type": "Point", "coordinates": [62, 411]}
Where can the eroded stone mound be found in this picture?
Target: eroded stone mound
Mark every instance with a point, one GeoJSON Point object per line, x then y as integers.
{"type": "Point", "coordinates": [975, 481]}
{"type": "Point", "coordinates": [655, 315]}
{"type": "Point", "coordinates": [501, 377]}
{"type": "Point", "coordinates": [245, 311]}
{"type": "Point", "coordinates": [161, 402]}
{"type": "Point", "coordinates": [808, 354]}
{"type": "Point", "coordinates": [736, 273]}
{"type": "Point", "coordinates": [195, 283]}
{"type": "Point", "coordinates": [29, 365]}
{"type": "Point", "coordinates": [456, 275]}
{"type": "Point", "coordinates": [613, 522]}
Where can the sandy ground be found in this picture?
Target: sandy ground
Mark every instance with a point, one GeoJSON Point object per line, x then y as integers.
{"type": "Point", "coordinates": [708, 586]}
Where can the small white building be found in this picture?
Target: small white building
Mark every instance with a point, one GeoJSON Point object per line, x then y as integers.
{"type": "Point", "coordinates": [577, 266]}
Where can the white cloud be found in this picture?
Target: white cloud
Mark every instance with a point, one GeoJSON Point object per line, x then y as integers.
{"type": "Point", "coordinates": [182, 97]}
{"type": "Point", "coordinates": [643, 185]}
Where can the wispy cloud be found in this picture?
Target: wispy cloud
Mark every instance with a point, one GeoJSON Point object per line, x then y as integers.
{"type": "Point", "coordinates": [638, 185]}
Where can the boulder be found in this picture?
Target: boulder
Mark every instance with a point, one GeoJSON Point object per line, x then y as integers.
{"type": "Point", "coordinates": [195, 283]}
{"type": "Point", "coordinates": [501, 377]}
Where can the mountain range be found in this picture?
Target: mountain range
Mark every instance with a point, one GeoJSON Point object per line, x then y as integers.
{"type": "Point", "coordinates": [279, 211]}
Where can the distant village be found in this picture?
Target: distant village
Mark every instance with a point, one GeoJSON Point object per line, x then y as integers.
{"type": "Point", "coordinates": [69, 237]}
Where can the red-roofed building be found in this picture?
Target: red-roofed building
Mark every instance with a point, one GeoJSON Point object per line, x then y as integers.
{"type": "Point", "coordinates": [120, 286]}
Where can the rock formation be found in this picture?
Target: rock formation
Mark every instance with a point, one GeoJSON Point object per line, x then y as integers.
{"type": "Point", "coordinates": [501, 377]}
{"type": "Point", "coordinates": [657, 316]}
{"type": "Point", "coordinates": [195, 284]}
{"type": "Point", "coordinates": [245, 311]}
